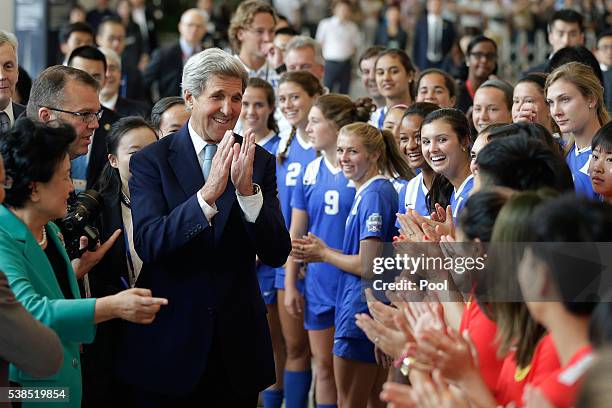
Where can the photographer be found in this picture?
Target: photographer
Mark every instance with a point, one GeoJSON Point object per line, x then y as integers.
{"type": "Point", "coordinates": [32, 253]}
{"type": "Point", "coordinates": [71, 96]}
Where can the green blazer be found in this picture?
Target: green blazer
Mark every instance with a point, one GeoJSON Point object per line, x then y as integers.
{"type": "Point", "coordinates": [33, 281]}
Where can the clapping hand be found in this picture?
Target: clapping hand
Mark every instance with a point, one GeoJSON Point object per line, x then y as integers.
{"type": "Point", "coordinates": [219, 170]}
{"type": "Point", "coordinates": [242, 164]}
{"type": "Point", "coordinates": [309, 248]}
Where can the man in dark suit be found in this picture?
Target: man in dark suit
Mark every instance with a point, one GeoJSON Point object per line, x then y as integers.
{"type": "Point", "coordinates": [433, 38]}
{"type": "Point", "coordinates": [565, 29]}
{"type": "Point", "coordinates": [109, 94]}
{"type": "Point", "coordinates": [204, 206]}
{"type": "Point", "coordinates": [166, 66]}
{"type": "Point", "coordinates": [87, 168]}
{"type": "Point", "coordinates": [9, 74]}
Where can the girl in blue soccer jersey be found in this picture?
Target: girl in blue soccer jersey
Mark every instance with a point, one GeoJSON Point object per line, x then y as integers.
{"type": "Point", "coordinates": [445, 144]}
{"type": "Point", "coordinates": [364, 153]}
{"type": "Point", "coordinates": [392, 124]}
{"type": "Point", "coordinates": [258, 103]}
{"type": "Point", "coordinates": [600, 168]}
{"type": "Point", "coordinates": [413, 195]}
{"type": "Point", "coordinates": [575, 97]}
{"type": "Point", "coordinates": [297, 92]}
{"type": "Point", "coordinates": [321, 202]}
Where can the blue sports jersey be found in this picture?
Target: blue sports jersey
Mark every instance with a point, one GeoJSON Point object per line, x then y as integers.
{"type": "Point", "coordinates": [287, 173]}
{"type": "Point", "coordinates": [398, 183]}
{"type": "Point", "coordinates": [378, 117]}
{"type": "Point", "coordinates": [372, 215]}
{"type": "Point", "coordinates": [266, 273]}
{"type": "Point", "coordinates": [460, 196]}
{"type": "Point", "coordinates": [323, 192]}
{"type": "Point", "coordinates": [578, 162]}
{"type": "Point", "coordinates": [413, 197]}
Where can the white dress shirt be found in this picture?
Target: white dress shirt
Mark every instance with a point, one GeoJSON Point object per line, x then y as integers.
{"type": "Point", "coordinates": [9, 111]}
{"type": "Point", "coordinates": [339, 39]}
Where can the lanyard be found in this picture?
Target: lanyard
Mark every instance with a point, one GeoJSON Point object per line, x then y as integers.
{"type": "Point", "coordinates": [381, 118]}
{"type": "Point", "coordinates": [470, 88]}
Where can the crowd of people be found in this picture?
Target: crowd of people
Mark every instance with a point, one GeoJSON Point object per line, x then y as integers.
{"type": "Point", "coordinates": [221, 221]}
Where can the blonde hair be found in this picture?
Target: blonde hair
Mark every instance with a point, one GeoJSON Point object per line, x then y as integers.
{"type": "Point", "coordinates": [243, 18]}
{"type": "Point", "coordinates": [390, 160]}
{"type": "Point", "coordinates": [583, 78]}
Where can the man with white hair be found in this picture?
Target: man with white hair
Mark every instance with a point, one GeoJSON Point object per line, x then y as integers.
{"type": "Point", "coordinates": [204, 206]}
{"type": "Point", "coordinates": [9, 73]}
{"type": "Point", "coordinates": [109, 94]}
{"type": "Point", "coordinates": [304, 54]}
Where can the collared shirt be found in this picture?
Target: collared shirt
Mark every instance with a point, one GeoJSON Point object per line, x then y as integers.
{"type": "Point", "coordinates": [434, 37]}
{"type": "Point", "coordinates": [339, 39]}
{"type": "Point", "coordinates": [9, 111]}
{"type": "Point", "coordinates": [265, 72]}
{"type": "Point", "coordinates": [250, 205]}
{"type": "Point", "coordinates": [110, 103]}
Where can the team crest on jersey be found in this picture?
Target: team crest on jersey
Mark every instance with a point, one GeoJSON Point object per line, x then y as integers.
{"type": "Point", "coordinates": [374, 222]}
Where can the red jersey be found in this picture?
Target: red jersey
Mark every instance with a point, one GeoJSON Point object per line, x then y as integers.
{"type": "Point", "coordinates": [512, 379]}
{"type": "Point", "coordinates": [482, 332]}
{"type": "Point", "coordinates": [561, 388]}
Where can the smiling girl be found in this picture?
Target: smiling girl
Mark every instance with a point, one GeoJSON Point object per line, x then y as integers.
{"type": "Point", "coordinates": [445, 143]}
{"type": "Point", "coordinates": [297, 92]}
{"type": "Point", "coordinates": [575, 97]}
{"type": "Point", "coordinates": [436, 86]}
{"type": "Point", "coordinates": [364, 152]}
{"type": "Point", "coordinates": [394, 77]}
{"type": "Point", "coordinates": [321, 203]}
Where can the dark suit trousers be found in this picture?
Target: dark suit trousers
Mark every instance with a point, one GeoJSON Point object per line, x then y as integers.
{"type": "Point", "coordinates": [213, 390]}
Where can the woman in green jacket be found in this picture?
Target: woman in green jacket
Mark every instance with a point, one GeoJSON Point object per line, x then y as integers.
{"type": "Point", "coordinates": [32, 254]}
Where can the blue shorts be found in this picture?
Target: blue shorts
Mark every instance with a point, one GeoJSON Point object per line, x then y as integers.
{"type": "Point", "coordinates": [265, 277]}
{"type": "Point", "coordinates": [279, 280]}
{"type": "Point", "coordinates": [354, 349]}
{"type": "Point", "coordinates": [318, 317]}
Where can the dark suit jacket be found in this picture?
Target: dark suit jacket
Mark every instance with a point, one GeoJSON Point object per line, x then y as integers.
{"type": "Point", "coordinates": [98, 360]}
{"type": "Point", "coordinates": [607, 75]}
{"type": "Point", "coordinates": [18, 110]}
{"type": "Point", "coordinates": [421, 36]}
{"type": "Point", "coordinates": [166, 67]}
{"type": "Point", "coordinates": [207, 273]}
{"type": "Point", "coordinates": [98, 156]}
{"type": "Point", "coordinates": [129, 107]}
{"type": "Point", "coordinates": [132, 84]}
{"type": "Point", "coordinates": [543, 67]}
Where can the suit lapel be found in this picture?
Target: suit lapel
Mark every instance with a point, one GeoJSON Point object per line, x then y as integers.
{"type": "Point", "coordinates": [184, 163]}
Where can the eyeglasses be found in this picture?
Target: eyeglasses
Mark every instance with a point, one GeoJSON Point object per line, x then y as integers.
{"type": "Point", "coordinates": [86, 117]}
{"type": "Point", "coordinates": [491, 56]}
{"type": "Point", "coordinates": [8, 183]}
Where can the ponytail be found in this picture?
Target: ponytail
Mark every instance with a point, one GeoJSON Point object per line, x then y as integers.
{"type": "Point", "coordinates": [282, 155]}
{"type": "Point", "coordinates": [440, 192]}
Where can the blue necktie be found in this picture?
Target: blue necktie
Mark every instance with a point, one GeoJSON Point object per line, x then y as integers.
{"type": "Point", "coordinates": [208, 153]}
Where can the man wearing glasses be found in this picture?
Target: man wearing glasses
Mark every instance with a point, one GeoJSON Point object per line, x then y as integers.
{"type": "Point", "coordinates": [251, 33]}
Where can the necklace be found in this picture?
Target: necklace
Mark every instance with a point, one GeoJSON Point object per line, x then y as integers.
{"type": "Point", "coordinates": [43, 241]}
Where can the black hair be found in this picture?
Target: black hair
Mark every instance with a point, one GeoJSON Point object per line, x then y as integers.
{"type": "Point", "coordinates": [285, 30]}
{"type": "Point", "coordinates": [421, 109]}
{"type": "Point", "coordinates": [441, 188]}
{"type": "Point", "coordinates": [24, 85]}
{"type": "Point", "coordinates": [163, 105]}
{"type": "Point", "coordinates": [109, 182]}
{"type": "Point", "coordinates": [523, 163]}
{"type": "Point", "coordinates": [604, 34]}
{"type": "Point", "coordinates": [449, 82]}
{"type": "Point", "coordinates": [563, 235]}
{"type": "Point", "coordinates": [477, 218]}
{"type": "Point", "coordinates": [270, 99]}
{"type": "Point", "coordinates": [477, 40]}
{"type": "Point", "coordinates": [528, 130]}
{"type": "Point", "coordinates": [67, 30]}
{"type": "Point", "coordinates": [576, 54]}
{"type": "Point", "coordinates": [568, 16]}
{"type": "Point", "coordinates": [87, 52]}
{"type": "Point", "coordinates": [600, 326]}
{"type": "Point", "coordinates": [32, 151]}
{"type": "Point", "coordinates": [404, 60]}
{"type": "Point", "coordinates": [603, 138]}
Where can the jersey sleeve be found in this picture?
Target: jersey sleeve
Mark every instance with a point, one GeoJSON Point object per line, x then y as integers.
{"type": "Point", "coordinates": [371, 216]}
{"type": "Point", "coordinates": [401, 207]}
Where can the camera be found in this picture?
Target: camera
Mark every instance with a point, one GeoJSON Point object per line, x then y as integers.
{"type": "Point", "coordinates": [82, 212]}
